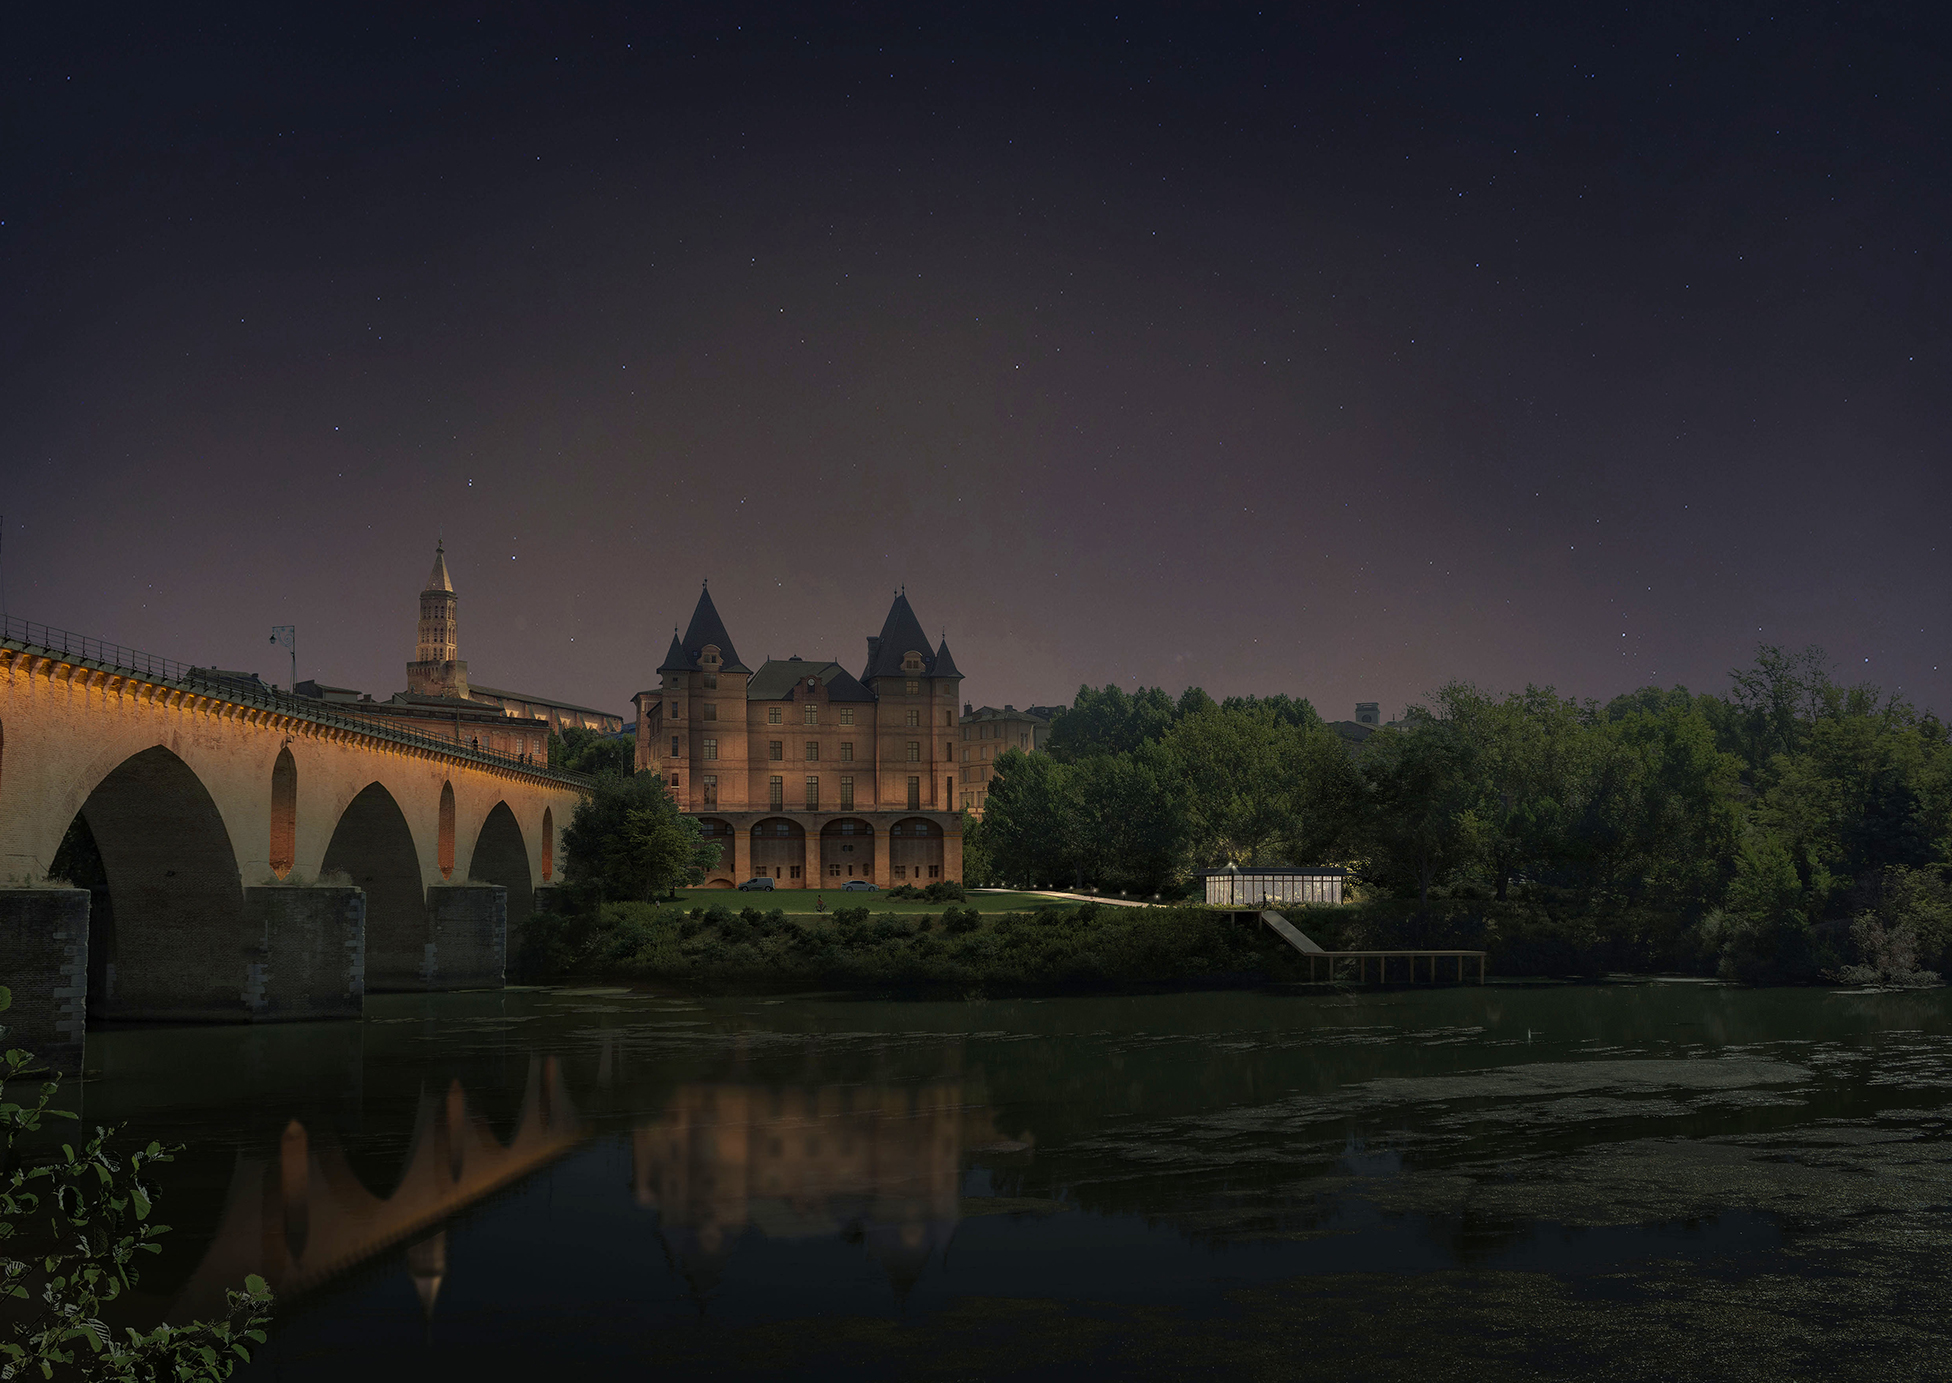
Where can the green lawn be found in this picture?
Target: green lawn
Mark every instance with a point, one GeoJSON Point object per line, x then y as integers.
{"type": "Point", "coordinates": [802, 900]}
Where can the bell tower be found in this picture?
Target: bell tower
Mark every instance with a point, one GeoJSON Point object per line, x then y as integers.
{"type": "Point", "coordinates": [437, 669]}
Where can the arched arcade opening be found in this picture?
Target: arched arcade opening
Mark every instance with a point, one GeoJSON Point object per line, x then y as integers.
{"type": "Point", "coordinates": [846, 851]}
{"type": "Point", "coordinates": [915, 850]}
{"type": "Point", "coordinates": [779, 851]}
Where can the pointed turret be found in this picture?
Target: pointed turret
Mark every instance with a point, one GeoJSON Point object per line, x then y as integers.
{"type": "Point", "coordinates": [945, 665]}
{"type": "Point", "coordinates": [437, 578]}
{"type": "Point", "coordinates": [901, 634]}
{"type": "Point", "coordinates": [706, 630]}
{"type": "Point", "coordinates": [675, 659]}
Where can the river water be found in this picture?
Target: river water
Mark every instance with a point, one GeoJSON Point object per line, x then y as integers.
{"type": "Point", "coordinates": [1649, 1180]}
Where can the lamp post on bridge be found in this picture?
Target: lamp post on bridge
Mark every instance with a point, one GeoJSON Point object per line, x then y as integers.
{"type": "Point", "coordinates": [287, 634]}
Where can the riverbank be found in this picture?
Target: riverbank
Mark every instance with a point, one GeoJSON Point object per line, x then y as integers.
{"type": "Point", "coordinates": [953, 949]}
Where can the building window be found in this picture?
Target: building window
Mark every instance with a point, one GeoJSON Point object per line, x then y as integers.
{"type": "Point", "coordinates": [949, 788]}
{"type": "Point", "coordinates": [965, 756]}
{"type": "Point", "coordinates": [847, 751]}
{"type": "Point", "coordinates": [946, 720]}
{"type": "Point", "coordinates": [914, 719]}
{"type": "Point", "coordinates": [711, 681]}
{"type": "Point", "coordinates": [1023, 741]}
{"type": "Point", "coordinates": [847, 715]}
{"type": "Point", "coordinates": [792, 871]}
{"type": "Point", "coordinates": [775, 793]}
{"type": "Point", "coordinates": [914, 794]}
{"type": "Point", "coordinates": [810, 714]}
{"type": "Point", "coordinates": [813, 794]}
{"type": "Point", "coordinates": [813, 750]}
{"type": "Point", "coordinates": [674, 746]}
{"type": "Point", "coordinates": [674, 780]}
{"type": "Point", "coordinates": [772, 715]}
{"type": "Point", "coordinates": [711, 710]}
{"type": "Point", "coordinates": [935, 871]}
{"type": "Point", "coordinates": [901, 871]}
{"type": "Point", "coordinates": [833, 871]}
{"type": "Point", "coordinates": [711, 749]}
{"type": "Point", "coordinates": [847, 803]}
{"type": "Point", "coordinates": [914, 751]}
{"type": "Point", "coordinates": [775, 749]}
{"type": "Point", "coordinates": [711, 789]}
{"type": "Point", "coordinates": [913, 687]}
{"type": "Point", "coordinates": [948, 751]}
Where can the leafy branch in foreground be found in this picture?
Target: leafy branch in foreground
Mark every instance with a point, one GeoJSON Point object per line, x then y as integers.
{"type": "Point", "coordinates": [70, 1230]}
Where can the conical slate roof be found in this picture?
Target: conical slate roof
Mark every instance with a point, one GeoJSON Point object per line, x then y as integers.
{"type": "Point", "coordinates": [945, 665]}
{"type": "Point", "coordinates": [900, 633]}
{"type": "Point", "coordinates": [675, 659]}
{"type": "Point", "coordinates": [707, 628]}
{"type": "Point", "coordinates": [437, 579]}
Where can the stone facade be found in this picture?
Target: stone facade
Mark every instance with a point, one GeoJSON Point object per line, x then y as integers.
{"type": "Point", "coordinates": [806, 773]}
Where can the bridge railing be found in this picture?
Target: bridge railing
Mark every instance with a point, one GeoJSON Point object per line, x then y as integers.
{"type": "Point", "coordinates": [30, 637]}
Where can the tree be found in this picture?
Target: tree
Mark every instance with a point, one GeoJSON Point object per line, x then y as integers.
{"type": "Point", "coordinates": [590, 751]}
{"type": "Point", "coordinates": [1259, 788]}
{"type": "Point", "coordinates": [628, 842]}
{"type": "Point", "coordinates": [78, 1221]}
{"type": "Point", "coordinates": [1108, 721]}
{"type": "Point", "coordinates": [1029, 820]}
{"type": "Point", "coordinates": [1130, 829]}
{"type": "Point", "coordinates": [1420, 787]}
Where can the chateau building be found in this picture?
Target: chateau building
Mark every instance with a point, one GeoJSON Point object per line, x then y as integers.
{"type": "Point", "coordinates": [439, 700]}
{"type": "Point", "coordinates": [806, 774]}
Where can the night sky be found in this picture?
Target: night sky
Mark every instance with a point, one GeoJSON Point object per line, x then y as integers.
{"type": "Point", "coordinates": [1337, 351]}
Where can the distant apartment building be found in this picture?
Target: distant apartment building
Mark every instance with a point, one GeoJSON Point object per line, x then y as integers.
{"type": "Point", "coordinates": [986, 733]}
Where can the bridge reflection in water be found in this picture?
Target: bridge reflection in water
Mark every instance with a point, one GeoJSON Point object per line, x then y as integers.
{"type": "Point", "coordinates": [879, 1166]}
{"type": "Point", "coordinates": [303, 1217]}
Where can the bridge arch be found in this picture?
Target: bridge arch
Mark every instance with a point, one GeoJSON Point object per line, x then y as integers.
{"type": "Point", "coordinates": [171, 940]}
{"type": "Point", "coordinates": [915, 850]}
{"type": "Point", "coordinates": [284, 813]}
{"type": "Point", "coordinates": [373, 845]}
{"type": "Point", "coordinates": [501, 856]}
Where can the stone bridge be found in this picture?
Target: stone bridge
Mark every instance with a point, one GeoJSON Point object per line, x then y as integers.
{"type": "Point", "coordinates": [257, 856]}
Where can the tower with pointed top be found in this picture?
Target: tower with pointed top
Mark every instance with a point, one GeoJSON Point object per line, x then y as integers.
{"type": "Point", "coordinates": [437, 669]}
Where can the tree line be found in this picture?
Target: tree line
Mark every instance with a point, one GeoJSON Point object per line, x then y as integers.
{"type": "Point", "coordinates": [1792, 825]}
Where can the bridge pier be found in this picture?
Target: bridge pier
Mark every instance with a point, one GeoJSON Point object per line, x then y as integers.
{"type": "Point", "coordinates": [44, 962]}
{"type": "Point", "coordinates": [467, 937]}
{"type": "Point", "coordinates": [310, 959]}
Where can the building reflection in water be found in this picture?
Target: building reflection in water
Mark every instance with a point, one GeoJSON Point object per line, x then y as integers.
{"type": "Point", "coordinates": [304, 1216]}
{"type": "Point", "coordinates": [881, 1165]}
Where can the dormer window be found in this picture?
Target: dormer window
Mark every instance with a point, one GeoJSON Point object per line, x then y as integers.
{"type": "Point", "coordinates": [912, 662]}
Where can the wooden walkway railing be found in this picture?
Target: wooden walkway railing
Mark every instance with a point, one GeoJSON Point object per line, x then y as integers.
{"type": "Point", "coordinates": [1293, 935]}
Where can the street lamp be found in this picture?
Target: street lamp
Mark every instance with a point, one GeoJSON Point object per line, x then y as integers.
{"type": "Point", "coordinates": [287, 634]}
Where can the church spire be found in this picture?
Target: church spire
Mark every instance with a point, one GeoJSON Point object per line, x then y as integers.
{"type": "Point", "coordinates": [437, 579]}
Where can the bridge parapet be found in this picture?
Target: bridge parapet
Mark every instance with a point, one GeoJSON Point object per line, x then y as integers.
{"type": "Point", "coordinates": [24, 640]}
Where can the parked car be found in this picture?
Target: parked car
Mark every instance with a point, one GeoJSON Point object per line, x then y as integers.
{"type": "Point", "coordinates": [756, 886]}
{"type": "Point", "coordinates": [859, 886]}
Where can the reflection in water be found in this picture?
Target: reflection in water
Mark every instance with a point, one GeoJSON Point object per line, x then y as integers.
{"type": "Point", "coordinates": [877, 1165]}
{"type": "Point", "coordinates": [301, 1220]}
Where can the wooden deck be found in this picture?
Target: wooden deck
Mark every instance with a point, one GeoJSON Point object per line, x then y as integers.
{"type": "Point", "coordinates": [1318, 958]}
